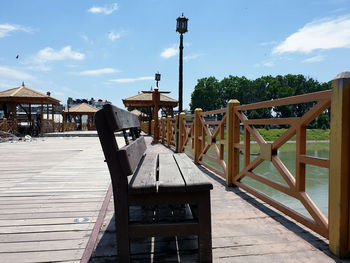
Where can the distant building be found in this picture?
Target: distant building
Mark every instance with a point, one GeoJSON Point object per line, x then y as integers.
{"type": "Point", "coordinates": [92, 102]}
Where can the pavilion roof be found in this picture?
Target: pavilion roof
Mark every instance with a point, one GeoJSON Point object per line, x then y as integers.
{"type": "Point", "coordinates": [24, 94]}
{"type": "Point", "coordinates": [145, 100]}
{"type": "Point", "coordinates": [82, 108]}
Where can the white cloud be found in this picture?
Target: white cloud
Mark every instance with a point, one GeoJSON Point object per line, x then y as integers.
{"type": "Point", "coordinates": [72, 66]}
{"type": "Point", "coordinates": [190, 57]}
{"type": "Point", "coordinates": [49, 54]}
{"type": "Point", "coordinates": [268, 43]}
{"type": "Point", "coordinates": [6, 29]}
{"type": "Point", "coordinates": [107, 9]}
{"type": "Point", "coordinates": [58, 93]}
{"type": "Point", "coordinates": [14, 74]}
{"type": "Point", "coordinates": [97, 72]}
{"type": "Point", "coordinates": [113, 36]}
{"type": "Point", "coordinates": [318, 58]}
{"type": "Point", "coordinates": [86, 39]}
{"type": "Point", "coordinates": [40, 67]}
{"type": "Point", "coordinates": [320, 34]}
{"type": "Point", "coordinates": [269, 64]}
{"type": "Point", "coordinates": [128, 80]}
{"type": "Point", "coordinates": [169, 52]}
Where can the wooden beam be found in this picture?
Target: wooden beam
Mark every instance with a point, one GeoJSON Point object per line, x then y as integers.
{"type": "Point", "coordinates": [197, 134]}
{"type": "Point", "coordinates": [339, 167]}
{"type": "Point", "coordinates": [232, 124]}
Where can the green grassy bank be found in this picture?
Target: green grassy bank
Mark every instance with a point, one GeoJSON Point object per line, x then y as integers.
{"type": "Point", "coordinates": [311, 134]}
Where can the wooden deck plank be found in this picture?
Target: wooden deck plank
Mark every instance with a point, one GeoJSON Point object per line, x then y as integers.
{"type": "Point", "coordinates": [47, 245]}
{"type": "Point", "coordinates": [44, 236]}
{"type": "Point", "coordinates": [51, 192]}
{"type": "Point", "coordinates": [42, 256]}
{"type": "Point", "coordinates": [45, 221]}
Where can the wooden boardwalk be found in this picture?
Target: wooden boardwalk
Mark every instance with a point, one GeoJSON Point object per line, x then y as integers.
{"type": "Point", "coordinates": [52, 190]}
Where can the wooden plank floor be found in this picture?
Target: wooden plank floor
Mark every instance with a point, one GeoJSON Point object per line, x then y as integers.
{"type": "Point", "coordinates": [51, 191]}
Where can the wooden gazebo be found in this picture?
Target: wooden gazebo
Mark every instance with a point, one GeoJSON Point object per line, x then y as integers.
{"type": "Point", "coordinates": [26, 98]}
{"type": "Point", "coordinates": [155, 100]}
{"type": "Point", "coordinates": [77, 112]}
{"type": "Point", "coordinates": [144, 100]}
{"type": "Point", "coordinates": [141, 115]}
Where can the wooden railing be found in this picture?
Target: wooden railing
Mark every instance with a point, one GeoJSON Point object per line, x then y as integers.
{"type": "Point", "coordinates": [144, 126]}
{"type": "Point", "coordinates": [69, 126]}
{"type": "Point", "coordinates": [186, 132]}
{"type": "Point", "coordinates": [167, 130]}
{"type": "Point", "coordinates": [293, 186]}
{"type": "Point", "coordinates": [171, 131]}
{"type": "Point", "coordinates": [216, 144]}
{"type": "Point", "coordinates": [8, 126]}
{"type": "Point", "coordinates": [47, 126]}
{"type": "Point", "coordinates": [210, 134]}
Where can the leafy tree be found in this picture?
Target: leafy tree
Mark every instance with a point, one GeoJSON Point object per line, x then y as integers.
{"type": "Point", "coordinates": [206, 95]}
{"type": "Point", "coordinates": [209, 94]}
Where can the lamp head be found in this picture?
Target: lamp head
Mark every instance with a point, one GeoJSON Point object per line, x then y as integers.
{"type": "Point", "coordinates": [181, 25]}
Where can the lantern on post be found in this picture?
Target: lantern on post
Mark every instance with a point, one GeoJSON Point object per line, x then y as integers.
{"type": "Point", "coordinates": [157, 78]}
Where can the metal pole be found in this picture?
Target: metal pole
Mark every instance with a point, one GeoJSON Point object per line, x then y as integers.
{"type": "Point", "coordinates": [181, 73]}
{"type": "Point", "coordinates": [181, 47]}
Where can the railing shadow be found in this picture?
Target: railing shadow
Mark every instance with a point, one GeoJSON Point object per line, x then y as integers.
{"type": "Point", "coordinates": [314, 239]}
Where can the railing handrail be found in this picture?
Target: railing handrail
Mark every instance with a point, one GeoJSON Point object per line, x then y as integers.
{"type": "Point", "coordinates": [314, 96]}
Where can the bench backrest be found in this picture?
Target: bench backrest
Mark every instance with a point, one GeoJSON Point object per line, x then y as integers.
{"type": "Point", "coordinates": [121, 162]}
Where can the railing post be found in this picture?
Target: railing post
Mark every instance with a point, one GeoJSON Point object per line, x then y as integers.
{"type": "Point", "coordinates": [339, 172]}
{"type": "Point", "coordinates": [181, 131]}
{"type": "Point", "coordinates": [6, 127]}
{"type": "Point", "coordinates": [232, 137]}
{"type": "Point", "coordinates": [152, 127]}
{"type": "Point", "coordinates": [175, 134]}
{"type": "Point", "coordinates": [162, 125]}
{"type": "Point", "coordinates": [168, 131]}
{"type": "Point", "coordinates": [197, 134]}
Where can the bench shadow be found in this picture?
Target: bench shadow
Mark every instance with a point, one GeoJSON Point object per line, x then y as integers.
{"type": "Point", "coordinates": [158, 249]}
{"type": "Point", "coordinates": [314, 239]}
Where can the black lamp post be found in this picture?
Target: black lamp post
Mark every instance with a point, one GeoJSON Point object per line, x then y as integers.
{"type": "Point", "coordinates": [181, 27]}
{"type": "Point", "coordinates": [157, 78]}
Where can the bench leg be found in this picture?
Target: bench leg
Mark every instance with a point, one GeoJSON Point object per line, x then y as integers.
{"type": "Point", "coordinates": [122, 227]}
{"type": "Point", "coordinates": [204, 237]}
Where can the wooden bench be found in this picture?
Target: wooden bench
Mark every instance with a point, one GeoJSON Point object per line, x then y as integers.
{"type": "Point", "coordinates": [140, 179]}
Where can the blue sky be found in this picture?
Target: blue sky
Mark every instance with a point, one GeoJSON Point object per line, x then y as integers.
{"type": "Point", "coordinates": [112, 49]}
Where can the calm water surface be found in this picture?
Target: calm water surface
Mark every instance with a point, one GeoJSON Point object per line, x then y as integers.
{"type": "Point", "coordinates": [316, 177]}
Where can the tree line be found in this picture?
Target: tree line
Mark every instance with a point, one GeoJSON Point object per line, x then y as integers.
{"type": "Point", "coordinates": [210, 94]}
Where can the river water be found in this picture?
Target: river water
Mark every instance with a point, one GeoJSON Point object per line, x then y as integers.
{"type": "Point", "coordinates": [316, 177]}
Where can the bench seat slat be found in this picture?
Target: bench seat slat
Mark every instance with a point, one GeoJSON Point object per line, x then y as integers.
{"type": "Point", "coordinates": [130, 155]}
{"type": "Point", "coordinates": [194, 178]}
{"type": "Point", "coordinates": [170, 178]}
{"type": "Point", "coordinates": [144, 178]}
